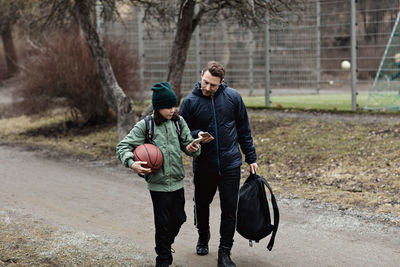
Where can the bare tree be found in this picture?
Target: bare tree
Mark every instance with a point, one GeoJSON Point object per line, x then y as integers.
{"type": "Point", "coordinates": [114, 95]}
{"type": "Point", "coordinates": [59, 12]}
{"type": "Point", "coordinates": [185, 19]}
{"type": "Point", "coordinates": [181, 13]}
{"type": "Point", "coordinates": [9, 15]}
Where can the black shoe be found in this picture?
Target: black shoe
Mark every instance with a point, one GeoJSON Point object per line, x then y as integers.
{"type": "Point", "coordinates": [224, 258]}
{"type": "Point", "coordinates": [162, 264]}
{"type": "Point", "coordinates": [202, 243]}
{"type": "Point", "coordinates": [165, 259]}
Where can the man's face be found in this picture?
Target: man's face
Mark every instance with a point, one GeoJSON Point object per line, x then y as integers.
{"type": "Point", "coordinates": [209, 83]}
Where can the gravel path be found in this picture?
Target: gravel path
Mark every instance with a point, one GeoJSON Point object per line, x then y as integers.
{"type": "Point", "coordinates": [69, 212]}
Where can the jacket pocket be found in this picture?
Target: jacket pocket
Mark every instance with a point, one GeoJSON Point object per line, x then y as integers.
{"type": "Point", "coordinates": [156, 178]}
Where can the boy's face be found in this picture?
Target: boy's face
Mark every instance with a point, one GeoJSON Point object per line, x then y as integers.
{"type": "Point", "coordinates": [209, 83]}
{"type": "Point", "coordinates": [167, 112]}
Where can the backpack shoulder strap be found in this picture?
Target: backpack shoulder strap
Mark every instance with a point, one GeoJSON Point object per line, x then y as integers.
{"type": "Point", "coordinates": [178, 127]}
{"type": "Point", "coordinates": [148, 138]}
{"type": "Point", "coordinates": [276, 214]}
{"type": "Point", "coordinates": [149, 121]}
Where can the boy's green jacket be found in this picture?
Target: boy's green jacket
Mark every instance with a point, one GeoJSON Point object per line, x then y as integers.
{"type": "Point", "coordinates": [170, 177]}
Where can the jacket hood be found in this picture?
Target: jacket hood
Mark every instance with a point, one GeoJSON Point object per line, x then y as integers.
{"type": "Point", "coordinates": [197, 89]}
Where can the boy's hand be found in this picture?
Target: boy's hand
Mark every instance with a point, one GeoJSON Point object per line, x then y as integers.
{"type": "Point", "coordinates": [192, 147]}
{"type": "Point", "coordinates": [137, 167]}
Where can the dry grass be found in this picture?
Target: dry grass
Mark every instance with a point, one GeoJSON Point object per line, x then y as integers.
{"type": "Point", "coordinates": [352, 164]}
{"type": "Point", "coordinates": [56, 133]}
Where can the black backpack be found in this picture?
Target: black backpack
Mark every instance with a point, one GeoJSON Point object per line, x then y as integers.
{"type": "Point", "coordinates": [253, 216]}
{"type": "Point", "coordinates": [149, 121]}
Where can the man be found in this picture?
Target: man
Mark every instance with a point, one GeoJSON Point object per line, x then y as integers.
{"type": "Point", "coordinates": [215, 108]}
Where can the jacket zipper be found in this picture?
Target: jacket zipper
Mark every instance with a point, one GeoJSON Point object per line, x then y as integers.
{"type": "Point", "coordinates": [169, 157]}
{"type": "Point", "coordinates": [216, 132]}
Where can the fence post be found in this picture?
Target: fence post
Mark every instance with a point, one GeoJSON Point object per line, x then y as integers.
{"type": "Point", "coordinates": [318, 46]}
{"type": "Point", "coordinates": [141, 53]}
{"type": "Point", "coordinates": [251, 62]}
{"type": "Point", "coordinates": [267, 56]}
{"type": "Point", "coordinates": [353, 56]}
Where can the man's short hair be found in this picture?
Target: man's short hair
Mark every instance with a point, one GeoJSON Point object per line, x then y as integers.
{"type": "Point", "coordinates": [215, 69]}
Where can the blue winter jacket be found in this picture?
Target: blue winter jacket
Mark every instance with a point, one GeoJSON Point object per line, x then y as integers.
{"type": "Point", "coordinates": [224, 116]}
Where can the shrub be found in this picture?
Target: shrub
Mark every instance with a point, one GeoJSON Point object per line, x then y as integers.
{"type": "Point", "coordinates": [62, 73]}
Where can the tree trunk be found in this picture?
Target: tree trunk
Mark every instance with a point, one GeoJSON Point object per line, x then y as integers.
{"type": "Point", "coordinates": [114, 95]}
{"type": "Point", "coordinates": [9, 50]}
{"type": "Point", "coordinates": [184, 31]}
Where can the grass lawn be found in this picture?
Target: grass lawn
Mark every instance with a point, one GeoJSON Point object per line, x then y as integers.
{"type": "Point", "coordinates": [339, 102]}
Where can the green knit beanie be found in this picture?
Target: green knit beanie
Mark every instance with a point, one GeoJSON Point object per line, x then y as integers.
{"type": "Point", "coordinates": [163, 96]}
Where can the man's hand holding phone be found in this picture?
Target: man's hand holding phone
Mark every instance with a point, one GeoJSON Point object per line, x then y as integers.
{"type": "Point", "coordinates": [205, 137]}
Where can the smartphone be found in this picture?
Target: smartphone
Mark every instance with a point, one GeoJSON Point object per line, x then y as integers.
{"type": "Point", "coordinates": [205, 134]}
{"type": "Point", "coordinates": [197, 140]}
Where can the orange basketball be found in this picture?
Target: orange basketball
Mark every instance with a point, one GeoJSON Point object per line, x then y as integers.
{"type": "Point", "coordinates": [151, 154]}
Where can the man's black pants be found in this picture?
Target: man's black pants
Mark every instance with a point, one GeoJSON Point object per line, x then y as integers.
{"type": "Point", "coordinates": [206, 185]}
{"type": "Point", "coordinates": [169, 215]}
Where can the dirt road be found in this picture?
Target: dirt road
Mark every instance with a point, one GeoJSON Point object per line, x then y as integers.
{"type": "Point", "coordinates": [108, 200]}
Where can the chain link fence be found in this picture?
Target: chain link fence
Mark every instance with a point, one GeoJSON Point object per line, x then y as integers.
{"type": "Point", "coordinates": [299, 53]}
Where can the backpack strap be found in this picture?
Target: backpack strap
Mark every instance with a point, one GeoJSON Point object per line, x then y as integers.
{"type": "Point", "coordinates": [148, 137]}
{"type": "Point", "coordinates": [178, 132]}
{"type": "Point", "coordinates": [276, 215]}
{"type": "Point", "coordinates": [178, 128]}
{"type": "Point", "coordinates": [149, 121]}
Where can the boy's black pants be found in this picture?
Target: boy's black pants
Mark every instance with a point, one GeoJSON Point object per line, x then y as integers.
{"type": "Point", "coordinates": [206, 184]}
{"type": "Point", "coordinates": [169, 215]}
